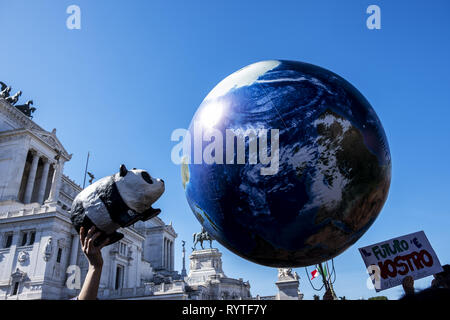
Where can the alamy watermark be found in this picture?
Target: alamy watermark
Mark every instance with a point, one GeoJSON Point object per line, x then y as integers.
{"type": "Point", "coordinates": [374, 20]}
{"type": "Point", "coordinates": [74, 20]}
{"type": "Point", "coordinates": [213, 152]}
{"type": "Point", "coordinates": [73, 281]}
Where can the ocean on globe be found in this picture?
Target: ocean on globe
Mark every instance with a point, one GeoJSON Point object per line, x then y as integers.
{"type": "Point", "coordinates": [288, 164]}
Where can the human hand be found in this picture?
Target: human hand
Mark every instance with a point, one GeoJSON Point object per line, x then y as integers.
{"type": "Point", "coordinates": [408, 285]}
{"type": "Point", "coordinates": [435, 283]}
{"type": "Point", "coordinates": [93, 253]}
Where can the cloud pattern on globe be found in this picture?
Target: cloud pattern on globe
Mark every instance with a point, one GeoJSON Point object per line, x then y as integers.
{"type": "Point", "coordinates": [334, 165]}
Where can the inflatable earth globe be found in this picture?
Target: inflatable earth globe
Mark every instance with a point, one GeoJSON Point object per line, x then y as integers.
{"type": "Point", "coordinates": [288, 164]}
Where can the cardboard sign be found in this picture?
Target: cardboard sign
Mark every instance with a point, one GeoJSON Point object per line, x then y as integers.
{"type": "Point", "coordinates": [389, 262]}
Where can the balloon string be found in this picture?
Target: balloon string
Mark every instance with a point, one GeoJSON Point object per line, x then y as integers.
{"type": "Point", "coordinates": [307, 276]}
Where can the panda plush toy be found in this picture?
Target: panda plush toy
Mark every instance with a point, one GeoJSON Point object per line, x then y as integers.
{"type": "Point", "coordinates": [116, 201]}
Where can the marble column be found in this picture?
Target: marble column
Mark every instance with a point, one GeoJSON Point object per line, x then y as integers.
{"type": "Point", "coordinates": [31, 178]}
{"type": "Point", "coordinates": [12, 189]}
{"type": "Point", "coordinates": [172, 255]}
{"type": "Point", "coordinates": [74, 250]}
{"type": "Point", "coordinates": [43, 182]}
{"type": "Point", "coordinates": [164, 252]}
{"type": "Point", "coordinates": [168, 254]}
{"type": "Point", "coordinates": [183, 270]}
{"type": "Point", "coordinates": [56, 182]}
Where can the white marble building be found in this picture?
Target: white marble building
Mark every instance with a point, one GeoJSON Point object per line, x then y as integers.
{"type": "Point", "coordinates": [37, 240]}
{"type": "Point", "coordinates": [207, 279]}
{"type": "Point", "coordinates": [40, 253]}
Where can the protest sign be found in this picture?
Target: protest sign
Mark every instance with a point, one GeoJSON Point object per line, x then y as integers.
{"type": "Point", "coordinates": [389, 262]}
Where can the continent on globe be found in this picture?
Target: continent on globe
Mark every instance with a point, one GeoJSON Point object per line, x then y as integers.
{"type": "Point", "coordinates": [333, 166]}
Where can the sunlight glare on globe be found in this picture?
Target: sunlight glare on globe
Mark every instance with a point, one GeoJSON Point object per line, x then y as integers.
{"type": "Point", "coordinates": [211, 114]}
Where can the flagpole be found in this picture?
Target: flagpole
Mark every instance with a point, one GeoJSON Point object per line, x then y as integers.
{"type": "Point", "coordinates": [85, 170]}
{"type": "Point", "coordinates": [327, 283]}
{"type": "Point", "coordinates": [322, 274]}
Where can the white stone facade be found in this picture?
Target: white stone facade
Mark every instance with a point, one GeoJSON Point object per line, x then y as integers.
{"type": "Point", "coordinates": [287, 284]}
{"type": "Point", "coordinates": [37, 240]}
{"type": "Point", "coordinates": [40, 254]}
{"type": "Point", "coordinates": [208, 281]}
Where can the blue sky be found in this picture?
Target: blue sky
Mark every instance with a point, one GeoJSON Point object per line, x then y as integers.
{"type": "Point", "coordinates": [137, 70]}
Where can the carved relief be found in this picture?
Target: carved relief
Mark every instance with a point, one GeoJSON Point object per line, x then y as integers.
{"type": "Point", "coordinates": [23, 257]}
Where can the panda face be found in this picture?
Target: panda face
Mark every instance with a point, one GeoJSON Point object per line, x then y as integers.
{"type": "Point", "coordinates": [138, 189]}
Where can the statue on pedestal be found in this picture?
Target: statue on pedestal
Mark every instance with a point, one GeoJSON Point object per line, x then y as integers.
{"type": "Point", "coordinates": [288, 283]}
{"type": "Point", "coordinates": [183, 270]}
{"type": "Point", "coordinates": [200, 237]}
{"type": "Point", "coordinates": [286, 274]}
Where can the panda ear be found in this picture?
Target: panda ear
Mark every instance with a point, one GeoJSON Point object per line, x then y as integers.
{"type": "Point", "coordinates": [123, 170]}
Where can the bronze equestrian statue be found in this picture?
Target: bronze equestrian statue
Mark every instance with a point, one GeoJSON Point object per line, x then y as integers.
{"type": "Point", "coordinates": [4, 90]}
{"type": "Point", "coordinates": [26, 109]}
{"type": "Point", "coordinates": [13, 100]}
{"type": "Point", "coordinates": [200, 237]}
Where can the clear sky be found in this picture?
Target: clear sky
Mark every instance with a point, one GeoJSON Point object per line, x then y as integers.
{"type": "Point", "coordinates": [137, 70]}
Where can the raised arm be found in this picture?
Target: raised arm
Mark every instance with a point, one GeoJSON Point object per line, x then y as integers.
{"type": "Point", "coordinates": [93, 253]}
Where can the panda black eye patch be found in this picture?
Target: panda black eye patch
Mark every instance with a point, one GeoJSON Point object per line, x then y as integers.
{"type": "Point", "coordinates": [146, 177]}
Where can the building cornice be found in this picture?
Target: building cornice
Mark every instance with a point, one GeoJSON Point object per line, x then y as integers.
{"type": "Point", "coordinates": [42, 212]}
{"type": "Point", "coordinates": [132, 233]}
{"type": "Point", "coordinates": [72, 183]}
{"type": "Point", "coordinates": [48, 139]}
{"type": "Point", "coordinates": [16, 116]}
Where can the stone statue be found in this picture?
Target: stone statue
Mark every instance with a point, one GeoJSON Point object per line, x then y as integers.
{"type": "Point", "coordinates": [200, 237]}
{"type": "Point", "coordinates": [286, 274]}
{"type": "Point", "coordinates": [48, 249]}
{"type": "Point", "coordinates": [26, 109]}
{"type": "Point", "coordinates": [13, 100]}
